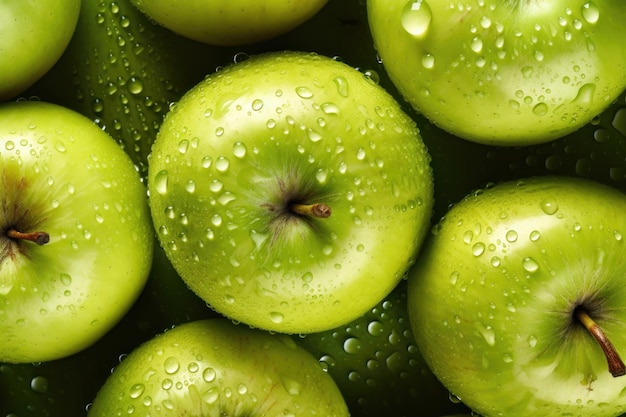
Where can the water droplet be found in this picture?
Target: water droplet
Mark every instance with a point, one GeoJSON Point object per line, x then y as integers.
{"type": "Point", "coordinates": [478, 249]}
{"type": "Point", "coordinates": [530, 265]}
{"type": "Point", "coordinates": [161, 181]}
{"type": "Point", "coordinates": [135, 85]}
{"type": "Point", "coordinates": [532, 341]}
{"type": "Point", "coordinates": [209, 375]}
{"type": "Point", "coordinates": [39, 384]}
{"type": "Point", "coordinates": [276, 317]}
{"type": "Point", "coordinates": [511, 236]}
{"type": "Point", "coordinates": [454, 277]}
{"type": "Point", "coordinates": [590, 12]}
{"type": "Point", "coordinates": [171, 365]}
{"type": "Point", "coordinates": [136, 390]}
{"type": "Point", "coordinates": [535, 235]}
{"type": "Point", "coordinates": [617, 235]}
{"type": "Point", "coordinates": [239, 149]}
{"type": "Point", "coordinates": [476, 45]}
{"type": "Point", "coordinates": [257, 104]}
{"type": "Point", "coordinates": [352, 345]}
{"type": "Point", "coordinates": [549, 207]}
{"type": "Point", "coordinates": [304, 92]}
{"type": "Point", "coordinates": [222, 164]}
{"type": "Point", "coordinates": [342, 86]}
{"type": "Point", "coordinates": [375, 328]}
{"type": "Point", "coordinates": [416, 17]}
{"type": "Point", "coordinates": [540, 109]}
{"type": "Point", "coordinates": [330, 108]}
{"type": "Point", "coordinates": [428, 61]}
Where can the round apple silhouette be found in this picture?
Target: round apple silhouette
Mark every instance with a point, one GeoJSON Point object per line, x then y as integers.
{"type": "Point", "coordinates": [230, 22]}
{"type": "Point", "coordinates": [500, 71]}
{"type": "Point", "coordinates": [290, 192]}
{"type": "Point", "coordinates": [517, 301]}
{"type": "Point", "coordinates": [216, 368]}
{"type": "Point", "coordinates": [76, 239]}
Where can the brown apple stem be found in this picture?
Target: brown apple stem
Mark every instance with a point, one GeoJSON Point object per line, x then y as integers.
{"type": "Point", "coordinates": [616, 366]}
{"type": "Point", "coordinates": [318, 210]}
{"type": "Point", "coordinates": [40, 238]}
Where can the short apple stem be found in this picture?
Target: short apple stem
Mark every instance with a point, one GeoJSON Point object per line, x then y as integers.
{"type": "Point", "coordinates": [319, 210]}
{"type": "Point", "coordinates": [616, 366]}
{"type": "Point", "coordinates": [40, 238]}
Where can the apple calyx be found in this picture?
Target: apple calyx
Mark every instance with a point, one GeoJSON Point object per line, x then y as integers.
{"type": "Point", "coordinates": [615, 363]}
{"type": "Point", "coordinates": [317, 210]}
{"type": "Point", "coordinates": [40, 238]}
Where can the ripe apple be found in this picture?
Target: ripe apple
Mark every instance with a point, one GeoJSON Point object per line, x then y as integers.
{"type": "Point", "coordinates": [377, 366]}
{"type": "Point", "coordinates": [33, 36]}
{"type": "Point", "coordinates": [230, 22]}
{"type": "Point", "coordinates": [76, 240]}
{"type": "Point", "coordinates": [517, 301]}
{"type": "Point", "coordinates": [290, 192]}
{"type": "Point", "coordinates": [214, 368]}
{"type": "Point", "coordinates": [500, 71]}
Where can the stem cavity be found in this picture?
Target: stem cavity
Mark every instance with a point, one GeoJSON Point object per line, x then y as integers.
{"type": "Point", "coordinates": [317, 210]}
{"type": "Point", "coordinates": [616, 366]}
{"type": "Point", "coordinates": [40, 238]}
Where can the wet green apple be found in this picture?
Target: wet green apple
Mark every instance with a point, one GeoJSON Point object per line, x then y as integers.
{"type": "Point", "coordinates": [290, 192]}
{"type": "Point", "coordinates": [216, 368]}
{"type": "Point", "coordinates": [517, 302]}
{"type": "Point", "coordinates": [230, 22]}
{"type": "Point", "coordinates": [33, 36]}
{"type": "Point", "coordinates": [76, 240]}
{"type": "Point", "coordinates": [500, 71]}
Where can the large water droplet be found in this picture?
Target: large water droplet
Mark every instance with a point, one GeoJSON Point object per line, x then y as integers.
{"type": "Point", "coordinates": [590, 12]}
{"type": "Point", "coordinates": [161, 181]}
{"type": "Point", "coordinates": [530, 265]}
{"type": "Point", "coordinates": [39, 384]}
{"type": "Point", "coordinates": [171, 365]}
{"type": "Point", "coordinates": [416, 17]}
{"type": "Point", "coordinates": [549, 206]}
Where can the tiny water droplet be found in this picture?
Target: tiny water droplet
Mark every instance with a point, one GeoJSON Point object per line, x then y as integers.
{"type": "Point", "coordinates": [304, 92]}
{"type": "Point", "coordinates": [511, 236]}
{"type": "Point", "coordinates": [209, 375]}
{"type": "Point", "coordinates": [428, 61]}
{"type": "Point", "coordinates": [416, 17]}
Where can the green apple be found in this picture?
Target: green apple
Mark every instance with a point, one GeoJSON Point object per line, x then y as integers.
{"type": "Point", "coordinates": [33, 36]}
{"type": "Point", "coordinates": [377, 366]}
{"type": "Point", "coordinates": [517, 300]}
{"type": "Point", "coordinates": [216, 368]}
{"type": "Point", "coordinates": [76, 239]}
{"type": "Point", "coordinates": [290, 192]}
{"type": "Point", "coordinates": [501, 71]}
{"type": "Point", "coordinates": [230, 22]}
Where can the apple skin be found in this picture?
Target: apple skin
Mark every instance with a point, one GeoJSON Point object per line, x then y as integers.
{"type": "Point", "coordinates": [230, 22]}
{"type": "Point", "coordinates": [377, 366]}
{"type": "Point", "coordinates": [492, 294]}
{"type": "Point", "coordinates": [282, 128]}
{"type": "Point", "coordinates": [61, 174]}
{"type": "Point", "coordinates": [33, 36]}
{"type": "Point", "coordinates": [504, 72]}
{"type": "Point", "coordinates": [214, 367]}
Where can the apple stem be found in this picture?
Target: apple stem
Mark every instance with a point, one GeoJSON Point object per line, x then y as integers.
{"type": "Point", "coordinates": [40, 238]}
{"type": "Point", "coordinates": [616, 366]}
{"type": "Point", "coordinates": [318, 210]}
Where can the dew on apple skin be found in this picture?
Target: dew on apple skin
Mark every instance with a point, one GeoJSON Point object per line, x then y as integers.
{"type": "Point", "coordinates": [304, 92]}
{"type": "Point", "coordinates": [137, 390]}
{"type": "Point", "coordinates": [276, 317]}
{"type": "Point", "coordinates": [416, 17]}
{"type": "Point", "coordinates": [590, 12]}
{"type": "Point", "coordinates": [161, 180]}
{"type": "Point", "coordinates": [549, 207]}
{"type": "Point", "coordinates": [171, 365]}
{"type": "Point", "coordinates": [352, 345]}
